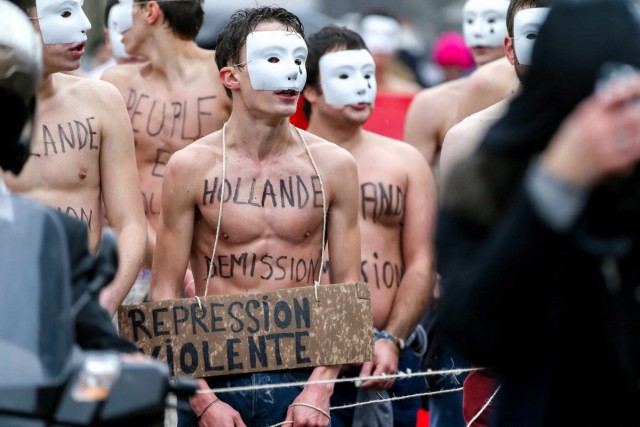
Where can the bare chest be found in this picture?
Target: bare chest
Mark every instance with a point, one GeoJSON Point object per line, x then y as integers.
{"type": "Point", "coordinates": [284, 206]}
{"type": "Point", "coordinates": [383, 191]}
{"type": "Point", "coordinates": [65, 147]}
{"type": "Point", "coordinates": [164, 121]}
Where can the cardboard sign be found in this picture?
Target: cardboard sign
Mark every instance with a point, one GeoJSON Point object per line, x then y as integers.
{"type": "Point", "coordinates": [235, 334]}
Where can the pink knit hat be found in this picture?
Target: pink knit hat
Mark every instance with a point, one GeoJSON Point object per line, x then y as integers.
{"type": "Point", "coordinates": [450, 50]}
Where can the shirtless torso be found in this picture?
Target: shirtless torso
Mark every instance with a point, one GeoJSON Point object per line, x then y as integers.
{"type": "Point", "coordinates": [395, 190]}
{"type": "Point", "coordinates": [167, 114]}
{"type": "Point", "coordinates": [271, 232]}
{"type": "Point", "coordinates": [83, 163]}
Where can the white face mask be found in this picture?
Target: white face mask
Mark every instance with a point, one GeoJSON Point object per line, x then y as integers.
{"type": "Point", "coordinates": [485, 22]}
{"type": "Point", "coordinates": [348, 77]}
{"type": "Point", "coordinates": [276, 60]}
{"type": "Point", "coordinates": [125, 16]}
{"type": "Point", "coordinates": [381, 34]}
{"type": "Point", "coordinates": [115, 36]}
{"type": "Point", "coordinates": [62, 21]}
{"type": "Point", "coordinates": [526, 26]}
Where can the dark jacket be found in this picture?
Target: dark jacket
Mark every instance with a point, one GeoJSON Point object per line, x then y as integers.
{"type": "Point", "coordinates": [556, 314]}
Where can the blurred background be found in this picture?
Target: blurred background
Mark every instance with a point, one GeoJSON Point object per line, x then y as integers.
{"type": "Point", "coordinates": [422, 22]}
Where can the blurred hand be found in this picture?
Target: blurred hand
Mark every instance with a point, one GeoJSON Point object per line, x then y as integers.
{"type": "Point", "coordinates": [600, 138]}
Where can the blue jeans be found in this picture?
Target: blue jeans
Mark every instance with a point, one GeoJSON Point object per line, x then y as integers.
{"type": "Point", "coordinates": [405, 411]}
{"type": "Point", "coordinates": [259, 408]}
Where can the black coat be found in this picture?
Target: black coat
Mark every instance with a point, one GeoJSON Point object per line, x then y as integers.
{"type": "Point", "coordinates": [557, 315]}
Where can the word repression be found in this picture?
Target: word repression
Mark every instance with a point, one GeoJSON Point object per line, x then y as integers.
{"type": "Point", "coordinates": [262, 329]}
{"type": "Point", "coordinates": [231, 334]}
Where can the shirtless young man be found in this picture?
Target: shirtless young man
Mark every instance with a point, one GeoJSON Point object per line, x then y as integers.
{"type": "Point", "coordinates": [397, 208]}
{"type": "Point", "coordinates": [434, 110]}
{"type": "Point", "coordinates": [82, 152]}
{"type": "Point", "coordinates": [261, 55]}
{"type": "Point", "coordinates": [524, 19]}
{"type": "Point", "coordinates": [174, 98]}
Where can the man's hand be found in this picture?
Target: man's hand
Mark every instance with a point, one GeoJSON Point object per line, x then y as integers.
{"type": "Point", "coordinates": [217, 415]}
{"type": "Point", "coordinates": [385, 361]}
{"type": "Point", "coordinates": [600, 138]}
{"type": "Point", "coordinates": [306, 416]}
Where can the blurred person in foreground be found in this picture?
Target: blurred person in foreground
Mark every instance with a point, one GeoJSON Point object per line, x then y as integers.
{"type": "Point", "coordinates": [538, 236]}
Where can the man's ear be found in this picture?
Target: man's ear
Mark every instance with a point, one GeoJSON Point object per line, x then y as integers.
{"type": "Point", "coordinates": [228, 78]}
{"type": "Point", "coordinates": [153, 12]}
{"type": "Point", "coordinates": [509, 50]}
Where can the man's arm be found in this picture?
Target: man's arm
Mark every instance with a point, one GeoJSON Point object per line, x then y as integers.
{"type": "Point", "coordinates": [121, 196]}
{"type": "Point", "coordinates": [416, 286]}
{"type": "Point", "coordinates": [418, 230]}
{"type": "Point", "coordinates": [175, 229]}
{"type": "Point", "coordinates": [423, 124]}
{"type": "Point", "coordinates": [344, 245]}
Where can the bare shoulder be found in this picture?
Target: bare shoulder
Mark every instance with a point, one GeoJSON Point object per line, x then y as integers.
{"type": "Point", "coordinates": [490, 75]}
{"type": "Point", "coordinates": [440, 93]}
{"type": "Point", "coordinates": [120, 74]}
{"type": "Point", "coordinates": [331, 155]}
{"type": "Point", "coordinates": [90, 90]}
{"type": "Point", "coordinates": [390, 148]}
{"type": "Point", "coordinates": [208, 56]}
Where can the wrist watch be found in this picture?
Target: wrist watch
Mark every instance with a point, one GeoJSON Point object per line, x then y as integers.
{"type": "Point", "coordinates": [386, 335]}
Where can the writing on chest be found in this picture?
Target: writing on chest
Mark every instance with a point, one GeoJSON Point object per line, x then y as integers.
{"type": "Point", "coordinates": [183, 119]}
{"type": "Point", "coordinates": [290, 192]}
{"type": "Point", "coordinates": [380, 200]}
{"type": "Point", "coordinates": [74, 135]}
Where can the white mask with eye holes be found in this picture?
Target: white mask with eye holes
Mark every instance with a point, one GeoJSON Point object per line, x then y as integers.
{"type": "Point", "coordinates": [115, 36]}
{"type": "Point", "coordinates": [276, 60]}
{"type": "Point", "coordinates": [484, 22]}
{"type": "Point", "coordinates": [125, 15]}
{"type": "Point", "coordinates": [62, 21]}
{"type": "Point", "coordinates": [526, 26]}
{"type": "Point", "coordinates": [348, 77]}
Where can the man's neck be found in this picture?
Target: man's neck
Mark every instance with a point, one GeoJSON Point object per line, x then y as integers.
{"type": "Point", "coordinates": [260, 137]}
{"type": "Point", "coordinates": [347, 136]}
{"type": "Point", "coordinates": [48, 86]}
{"type": "Point", "coordinates": [168, 52]}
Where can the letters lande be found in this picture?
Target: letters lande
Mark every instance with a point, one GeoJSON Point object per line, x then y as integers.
{"type": "Point", "coordinates": [235, 334]}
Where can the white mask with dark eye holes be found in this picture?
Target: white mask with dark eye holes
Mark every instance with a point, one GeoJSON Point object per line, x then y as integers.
{"type": "Point", "coordinates": [115, 36]}
{"type": "Point", "coordinates": [276, 60]}
{"type": "Point", "coordinates": [62, 21]}
{"type": "Point", "coordinates": [485, 22]}
{"type": "Point", "coordinates": [348, 77]}
{"type": "Point", "coordinates": [526, 26]}
{"type": "Point", "coordinates": [125, 16]}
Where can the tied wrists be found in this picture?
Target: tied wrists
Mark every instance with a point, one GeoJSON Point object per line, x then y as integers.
{"type": "Point", "coordinates": [386, 335]}
{"type": "Point", "coordinates": [214, 401]}
{"type": "Point", "coordinates": [308, 405]}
